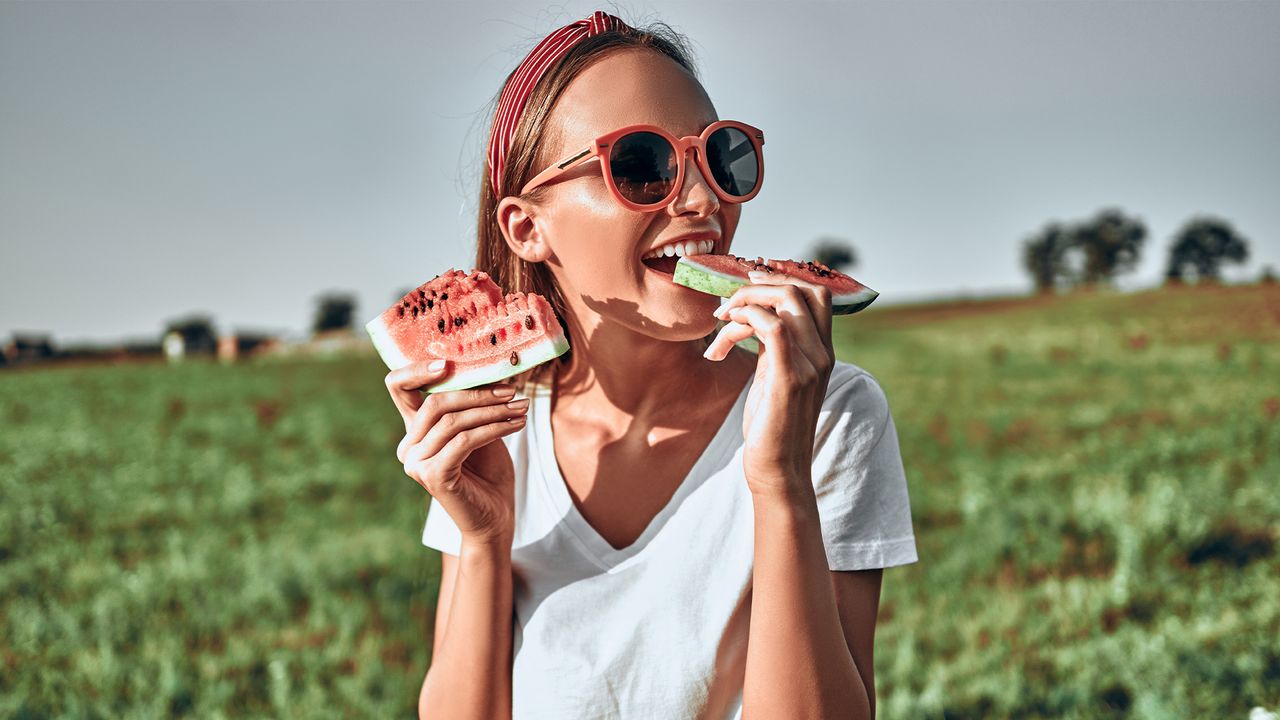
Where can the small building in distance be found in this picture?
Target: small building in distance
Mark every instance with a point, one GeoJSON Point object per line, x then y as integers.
{"type": "Point", "coordinates": [189, 336]}
{"type": "Point", "coordinates": [28, 347]}
{"type": "Point", "coordinates": [240, 345]}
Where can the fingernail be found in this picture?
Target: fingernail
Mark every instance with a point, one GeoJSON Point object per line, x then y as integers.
{"type": "Point", "coordinates": [436, 366]}
{"type": "Point", "coordinates": [707, 353]}
{"type": "Point", "coordinates": [504, 391]}
{"type": "Point", "coordinates": [520, 404]}
{"type": "Point", "coordinates": [516, 420]}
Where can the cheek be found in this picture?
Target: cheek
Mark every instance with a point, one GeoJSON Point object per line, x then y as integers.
{"type": "Point", "coordinates": [594, 239]}
{"type": "Point", "coordinates": [729, 222]}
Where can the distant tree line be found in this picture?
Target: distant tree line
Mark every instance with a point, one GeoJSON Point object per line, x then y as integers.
{"type": "Point", "coordinates": [335, 311]}
{"type": "Point", "coordinates": [1096, 250]}
{"type": "Point", "coordinates": [184, 336]}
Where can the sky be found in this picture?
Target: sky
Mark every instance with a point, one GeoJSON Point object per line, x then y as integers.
{"type": "Point", "coordinates": [241, 158]}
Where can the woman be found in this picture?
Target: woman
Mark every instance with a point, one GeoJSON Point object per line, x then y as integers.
{"type": "Point", "coordinates": [668, 526]}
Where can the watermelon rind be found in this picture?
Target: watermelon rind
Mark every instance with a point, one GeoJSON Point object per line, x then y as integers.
{"type": "Point", "coordinates": [853, 302]}
{"type": "Point", "coordinates": [691, 274]}
{"type": "Point", "coordinates": [704, 279]}
{"type": "Point", "coordinates": [529, 358]}
{"type": "Point", "coordinates": [386, 347]}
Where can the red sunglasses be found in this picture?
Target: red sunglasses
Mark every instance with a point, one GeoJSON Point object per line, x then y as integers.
{"type": "Point", "coordinates": [644, 165]}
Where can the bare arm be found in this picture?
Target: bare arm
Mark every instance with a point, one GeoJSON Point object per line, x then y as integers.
{"type": "Point", "coordinates": [452, 447]}
{"type": "Point", "coordinates": [811, 631]}
{"type": "Point", "coordinates": [799, 664]}
{"type": "Point", "coordinates": [858, 600]}
{"type": "Point", "coordinates": [470, 674]}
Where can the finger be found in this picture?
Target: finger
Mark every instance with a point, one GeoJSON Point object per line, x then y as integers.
{"type": "Point", "coordinates": [724, 340]}
{"type": "Point", "coordinates": [798, 367]}
{"type": "Point", "coordinates": [437, 405]}
{"type": "Point", "coordinates": [786, 302]}
{"type": "Point", "coordinates": [451, 424]}
{"type": "Point", "coordinates": [464, 443]}
{"type": "Point", "coordinates": [764, 323]}
{"type": "Point", "coordinates": [818, 296]}
{"type": "Point", "coordinates": [405, 385]}
{"type": "Point", "coordinates": [786, 299]}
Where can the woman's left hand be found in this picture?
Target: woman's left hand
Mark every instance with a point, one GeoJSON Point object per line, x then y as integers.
{"type": "Point", "coordinates": [792, 321]}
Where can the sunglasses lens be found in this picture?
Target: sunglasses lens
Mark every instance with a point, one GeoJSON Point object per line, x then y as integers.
{"type": "Point", "coordinates": [733, 161]}
{"type": "Point", "coordinates": [643, 166]}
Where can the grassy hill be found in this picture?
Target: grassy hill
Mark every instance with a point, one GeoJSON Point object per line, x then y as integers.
{"type": "Point", "coordinates": [1093, 481]}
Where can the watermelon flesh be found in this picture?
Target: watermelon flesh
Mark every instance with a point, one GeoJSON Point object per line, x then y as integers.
{"type": "Point", "coordinates": [723, 274]}
{"type": "Point", "coordinates": [465, 318]}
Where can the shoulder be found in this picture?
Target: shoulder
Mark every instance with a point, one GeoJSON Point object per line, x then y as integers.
{"type": "Point", "coordinates": [855, 410]}
{"type": "Point", "coordinates": [852, 389]}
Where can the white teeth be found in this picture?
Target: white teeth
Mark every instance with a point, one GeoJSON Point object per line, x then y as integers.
{"type": "Point", "coordinates": [682, 249]}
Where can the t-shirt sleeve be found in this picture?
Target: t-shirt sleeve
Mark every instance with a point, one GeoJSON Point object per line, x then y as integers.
{"type": "Point", "coordinates": [859, 479]}
{"type": "Point", "coordinates": [441, 532]}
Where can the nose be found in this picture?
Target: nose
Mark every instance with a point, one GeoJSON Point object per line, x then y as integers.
{"type": "Point", "coordinates": [696, 197]}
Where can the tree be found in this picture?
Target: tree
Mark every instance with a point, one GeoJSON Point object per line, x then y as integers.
{"type": "Point", "coordinates": [1110, 242]}
{"type": "Point", "coordinates": [1202, 245]}
{"type": "Point", "coordinates": [1044, 255]}
{"type": "Point", "coordinates": [835, 253]}
{"type": "Point", "coordinates": [334, 311]}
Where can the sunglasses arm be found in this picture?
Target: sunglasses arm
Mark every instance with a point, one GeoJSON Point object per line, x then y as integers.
{"type": "Point", "coordinates": [559, 169]}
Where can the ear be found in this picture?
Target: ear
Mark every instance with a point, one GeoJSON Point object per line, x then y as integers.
{"type": "Point", "coordinates": [522, 228]}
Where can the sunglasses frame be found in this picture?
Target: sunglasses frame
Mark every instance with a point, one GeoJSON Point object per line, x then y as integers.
{"type": "Point", "coordinates": [602, 145]}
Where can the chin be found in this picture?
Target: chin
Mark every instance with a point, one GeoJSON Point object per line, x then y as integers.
{"type": "Point", "coordinates": [687, 321]}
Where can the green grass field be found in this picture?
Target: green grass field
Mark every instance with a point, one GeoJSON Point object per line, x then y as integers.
{"type": "Point", "coordinates": [1094, 482]}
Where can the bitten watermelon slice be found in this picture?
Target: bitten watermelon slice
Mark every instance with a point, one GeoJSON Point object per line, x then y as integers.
{"type": "Point", "coordinates": [723, 274]}
{"type": "Point", "coordinates": [465, 319]}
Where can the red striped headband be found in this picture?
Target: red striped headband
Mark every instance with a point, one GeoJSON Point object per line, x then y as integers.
{"type": "Point", "coordinates": [516, 93]}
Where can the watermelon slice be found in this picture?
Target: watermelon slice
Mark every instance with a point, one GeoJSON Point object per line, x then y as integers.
{"type": "Point", "coordinates": [723, 274]}
{"type": "Point", "coordinates": [464, 318]}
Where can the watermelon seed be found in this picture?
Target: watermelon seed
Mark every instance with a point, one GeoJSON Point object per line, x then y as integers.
{"type": "Point", "coordinates": [493, 339]}
{"type": "Point", "coordinates": [430, 304]}
{"type": "Point", "coordinates": [415, 311]}
{"type": "Point", "coordinates": [421, 294]}
{"type": "Point", "coordinates": [515, 359]}
{"type": "Point", "coordinates": [459, 321]}
{"type": "Point", "coordinates": [528, 322]}
{"type": "Point", "coordinates": [444, 296]}
{"type": "Point", "coordinates": [400, 310]}
{"type": "Point", "coordinates": [440, 325]}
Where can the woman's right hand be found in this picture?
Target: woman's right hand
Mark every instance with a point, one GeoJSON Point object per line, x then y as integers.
{"type": "Point", "coordinates": [452, 447]}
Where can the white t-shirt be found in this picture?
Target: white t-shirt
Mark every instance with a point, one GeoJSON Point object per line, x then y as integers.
{"type": "Point", "coordinates": [659, 629]}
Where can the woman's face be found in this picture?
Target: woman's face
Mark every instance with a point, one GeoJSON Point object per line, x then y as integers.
{"type": "Point", "coordinates": [596, 243]}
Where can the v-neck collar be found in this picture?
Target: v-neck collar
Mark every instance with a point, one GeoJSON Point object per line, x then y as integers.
{"type": "Point", "coordinates": [594, 544]}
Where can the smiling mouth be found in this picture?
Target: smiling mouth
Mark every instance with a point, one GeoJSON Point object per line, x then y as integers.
{"type": "Point", "coordinates": [664, 265]}
{"type": "Point", "coordinates": [663, 259]}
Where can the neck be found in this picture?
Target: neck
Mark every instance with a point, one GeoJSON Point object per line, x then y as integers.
{"type": "Point", "coordinates": [617, 374]}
